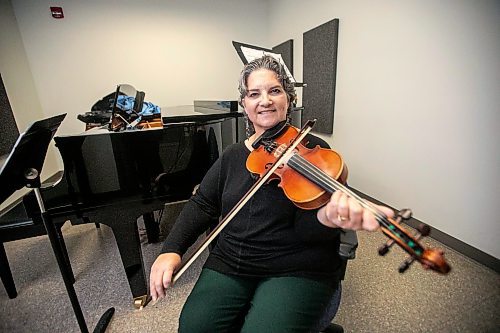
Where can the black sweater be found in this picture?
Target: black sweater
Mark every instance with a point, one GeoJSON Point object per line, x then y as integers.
{"type": "Point", "coordinates": [269, 237]}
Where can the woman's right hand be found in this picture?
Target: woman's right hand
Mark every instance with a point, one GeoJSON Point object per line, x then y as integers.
{"type": "Point", "coordinates": [161, 274]}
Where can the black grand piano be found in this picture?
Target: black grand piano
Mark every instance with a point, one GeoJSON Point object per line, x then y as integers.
{"type": "Point", "coordinates": [115, 177]}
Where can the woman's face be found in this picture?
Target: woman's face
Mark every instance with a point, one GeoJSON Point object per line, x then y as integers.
{"type": "Point", "coordinates": [266, 102]}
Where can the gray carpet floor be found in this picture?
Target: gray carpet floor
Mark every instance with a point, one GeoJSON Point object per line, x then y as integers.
{"type": "Point", "coordinates": [376, 298]}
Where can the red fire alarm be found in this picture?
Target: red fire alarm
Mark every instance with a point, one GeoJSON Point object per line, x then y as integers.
{"type": "Point", "coordinates": [57, 12]}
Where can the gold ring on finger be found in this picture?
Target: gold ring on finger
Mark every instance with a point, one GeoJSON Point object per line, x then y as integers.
{"type": "Point", "coordinates": [342, 218]}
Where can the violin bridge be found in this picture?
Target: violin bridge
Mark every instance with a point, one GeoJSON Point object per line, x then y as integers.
{"type": "Point", "coordinates": [279, 150]}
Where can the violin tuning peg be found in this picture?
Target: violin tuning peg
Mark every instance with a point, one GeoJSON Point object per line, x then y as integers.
{"type": "Point", "coordinates": [385, 248]}
{"type": "Point", "coordinates": [405, 265]}
{"type": "Point", "coordinates": [424, 229]}
{"type": "Point", "coordinates": [405, 214]}
{"type": "Point", "coordinates": [382, 251]}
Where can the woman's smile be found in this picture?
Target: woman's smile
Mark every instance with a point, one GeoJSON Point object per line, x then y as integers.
{"type": "Point", "coordinates": [266, 102]}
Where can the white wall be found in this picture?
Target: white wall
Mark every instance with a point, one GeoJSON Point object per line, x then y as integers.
{"type": "Point", "coordinates": [416, 114]}
{"type": "Point", "coordinates": [19, 84]}
{"type": "Point", "coordinates": [175, 51]}
{"type": "Point", "coordinates": [417, 83]}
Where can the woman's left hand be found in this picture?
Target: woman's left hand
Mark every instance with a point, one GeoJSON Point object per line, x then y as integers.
{"type": "Point", "coordinates": [345, 212]}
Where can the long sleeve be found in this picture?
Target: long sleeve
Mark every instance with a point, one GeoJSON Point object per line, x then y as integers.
{"type": "Point", "coordinates": [309, 229]}
{"type": "Point", "coordinates": [269, 236]}
{"type": "Point", "coordinates": [197, 215]}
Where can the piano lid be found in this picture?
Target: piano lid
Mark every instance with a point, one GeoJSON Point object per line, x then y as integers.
{"type": "Point", "coordinates": [192, 113]}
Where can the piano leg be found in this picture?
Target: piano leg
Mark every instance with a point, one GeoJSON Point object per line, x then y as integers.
{"type": "Point", "coordinates": [123, 222]}
{"type": "Point", "coordinates": [129, 245]}
{"type": "Point", "coordinates": [6, 274]}
{"type": "Point", "coordinates": [86, 220]}
{"type": "Point", "coordinates": [152, 228]}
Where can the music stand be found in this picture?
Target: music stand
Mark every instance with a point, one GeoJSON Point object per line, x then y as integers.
{"type": "Point", "coordinates": [126, 90]}
{"type": "Point", "coordinates": [22, 168]}
{"type": "Point", "coordinates": [248, 52]}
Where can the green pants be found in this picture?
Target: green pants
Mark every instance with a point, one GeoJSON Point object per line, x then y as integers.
{"type": "Point", "coordinates": [224, 303]}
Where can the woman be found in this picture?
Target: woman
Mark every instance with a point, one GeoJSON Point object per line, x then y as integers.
{"type": "Point", "coordinates": [275, 267]}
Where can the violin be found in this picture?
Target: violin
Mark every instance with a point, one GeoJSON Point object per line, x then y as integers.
{"type": "Point", "coordinates": [308, 177]}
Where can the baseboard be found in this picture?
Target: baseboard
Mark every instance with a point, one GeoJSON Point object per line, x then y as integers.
{"type": "Point", "coordinates": [450, 241]}
{"type": "Point", "coordinates": [469, 251]}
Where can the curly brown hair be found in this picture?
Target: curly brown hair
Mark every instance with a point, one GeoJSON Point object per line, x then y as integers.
{"type": "Point", "coordinates": [272, 64]}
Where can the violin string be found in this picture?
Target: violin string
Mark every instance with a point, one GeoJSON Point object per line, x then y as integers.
{"type": "Point", "coordinates": [328, 183]}
{"type": "Point", "coordinates": [332, 183]}
{"type": "Point", "coordinates": [380, 216]}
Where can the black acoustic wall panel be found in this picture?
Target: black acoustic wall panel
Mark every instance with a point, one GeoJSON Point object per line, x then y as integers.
{"type": "Point", "coordinates": [8, 127]}
{"type": "Point", "coordinates": [286, 51]}
{"type": "Point", "coordinates": [319, 73]}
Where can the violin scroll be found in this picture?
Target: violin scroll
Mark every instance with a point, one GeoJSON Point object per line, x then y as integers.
{"type": "Point", "coordinates": [434, 259]}
{"type": "Point", "coordinates": [429, 258]}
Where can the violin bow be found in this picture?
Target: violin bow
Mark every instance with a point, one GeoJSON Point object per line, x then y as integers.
{"type": "Point", "coordinates": [256, 186]}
